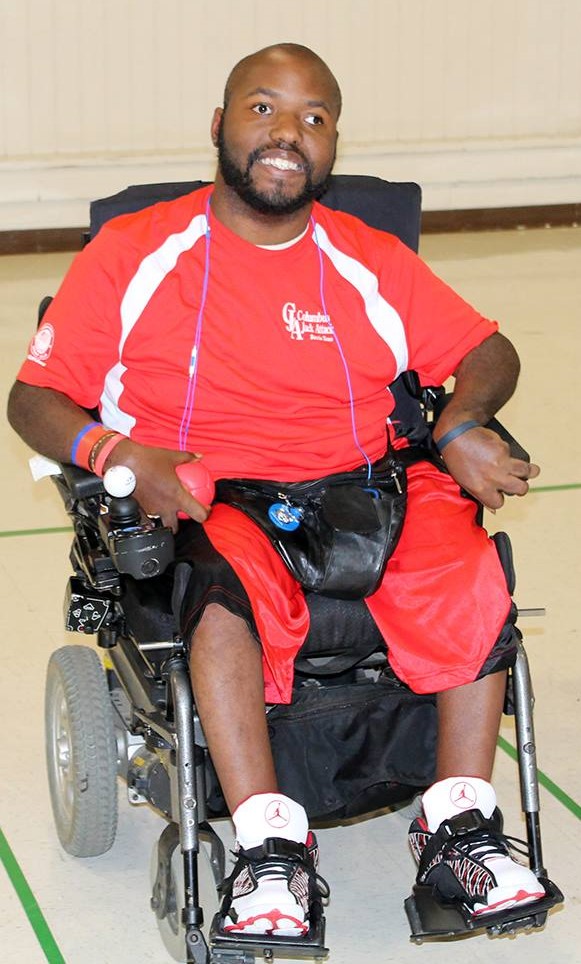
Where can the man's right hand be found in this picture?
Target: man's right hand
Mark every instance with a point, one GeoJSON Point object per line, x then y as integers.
{"type": "Point", "coordinates": [158, 490]}
{"type": "Point", "coordinates": [48, 421]}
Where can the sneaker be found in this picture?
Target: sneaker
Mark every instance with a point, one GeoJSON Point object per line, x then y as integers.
{"type": "Point", "coordinates": [469, 859]}
{"type": "Point", "coordinates": [273, 889]}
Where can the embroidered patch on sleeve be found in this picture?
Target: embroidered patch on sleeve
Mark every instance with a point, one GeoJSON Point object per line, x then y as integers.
{"type": "Point", "coordinates": [41, 345]}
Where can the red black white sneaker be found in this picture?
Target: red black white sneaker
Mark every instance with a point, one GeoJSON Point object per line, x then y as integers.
{"type": "Point", "coordinates": [273, 888]}
{"type": "Point", "coordinates": [469, 859]}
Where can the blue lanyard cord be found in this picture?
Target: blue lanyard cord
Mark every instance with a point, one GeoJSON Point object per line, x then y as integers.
{"type": "Point", "coordinates": [193, 369]}
{"type": "Point", "coordinates": [340, 350]}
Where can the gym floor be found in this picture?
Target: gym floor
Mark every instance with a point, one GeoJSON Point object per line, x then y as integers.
{"type": "Point", "coordinates": [96, 910]}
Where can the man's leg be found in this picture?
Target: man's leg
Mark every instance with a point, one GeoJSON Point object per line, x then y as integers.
{"type": "Point", "coordinates": [267, 893]}
{"type": "Point", "coordinates": [468, 724]}
{"type": "Point", "coordinates": [226, 669]}
{"type": "Point", "coordinates": [458, 842]}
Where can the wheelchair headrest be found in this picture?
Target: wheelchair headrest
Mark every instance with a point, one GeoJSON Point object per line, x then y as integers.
{"type": "Point", "coordinates": [393, 206]}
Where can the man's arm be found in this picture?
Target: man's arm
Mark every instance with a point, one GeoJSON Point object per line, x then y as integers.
{"type": "Point", "coordinates": [45, 419]}
{"type": "Point", "coordinates": [49, 421]}
{"type": "Point", "coordinates": [479, 459]}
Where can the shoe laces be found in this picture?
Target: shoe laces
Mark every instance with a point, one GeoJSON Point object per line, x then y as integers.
{"type": "Point", "coordinates": [283, 868]}
{"type": "Point", "coordinates": [274, 869]}
{"type": "Point", "coordinates": [482, 845]}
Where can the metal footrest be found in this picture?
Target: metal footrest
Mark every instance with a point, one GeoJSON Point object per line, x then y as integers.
{"type": "Point", "coordinates": [430, 919]}
{"type": "Point", "coordinates": [248, 947]}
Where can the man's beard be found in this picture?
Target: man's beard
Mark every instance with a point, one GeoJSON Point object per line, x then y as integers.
{"type": "Point", "coordinates": [275, 201]}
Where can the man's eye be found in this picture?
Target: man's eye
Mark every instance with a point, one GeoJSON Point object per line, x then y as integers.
{"type": "Point", "coordinates": [262, 108]}
{"type": "Point", "coordinates": [314, 119]}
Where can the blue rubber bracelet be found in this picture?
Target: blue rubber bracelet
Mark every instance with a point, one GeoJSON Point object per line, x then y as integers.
{"type": "Point", "coordinates": [455, 433]}
{"type": "Point", "coordinates": [78, 437]}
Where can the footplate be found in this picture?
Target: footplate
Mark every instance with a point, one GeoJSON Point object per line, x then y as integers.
{"type": "Point", "coordinates": [430, 919]}
{"type": "Point", "coordinates": [224, 946]}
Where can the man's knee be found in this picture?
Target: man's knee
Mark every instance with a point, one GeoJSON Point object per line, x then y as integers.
{"type": "Point", "coordinates": [221, 633]}
{"type": "Point", "coordinates": [503, 654]}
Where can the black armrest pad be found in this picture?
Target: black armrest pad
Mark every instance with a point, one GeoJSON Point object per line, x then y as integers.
{"type": "Point", "coordinates": [81, 483]}
{"type": "Point", "coordinates": [516, 449]}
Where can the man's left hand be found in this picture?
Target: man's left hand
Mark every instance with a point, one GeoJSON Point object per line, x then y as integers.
{"type": "Point", "coordinates": [481, 463]}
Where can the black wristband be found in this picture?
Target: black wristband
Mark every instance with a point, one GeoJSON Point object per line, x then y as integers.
{"type": "Point", "coordinates": [455, 433]}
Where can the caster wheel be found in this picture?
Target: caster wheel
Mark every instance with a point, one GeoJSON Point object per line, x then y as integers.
{"type": "Point", "coordinates": [81, 751]}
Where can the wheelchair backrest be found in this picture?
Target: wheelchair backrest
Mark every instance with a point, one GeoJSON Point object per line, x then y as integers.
{"type": "Point", "coordinates": [393, 206]}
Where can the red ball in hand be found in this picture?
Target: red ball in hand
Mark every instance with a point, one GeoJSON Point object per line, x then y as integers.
{"type": "Point", "coordinates": [197, 479]}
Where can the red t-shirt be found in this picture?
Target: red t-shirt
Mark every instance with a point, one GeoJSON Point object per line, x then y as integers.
{"type": "Point", "coordinates": [271, 396]}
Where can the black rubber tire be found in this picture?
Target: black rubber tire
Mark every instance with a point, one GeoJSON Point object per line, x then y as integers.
{"type": "Point", "coordinates": [81, 751]}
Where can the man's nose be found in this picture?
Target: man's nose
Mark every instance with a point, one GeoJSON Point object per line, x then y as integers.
{"type": "Point", "coordinates": [286, 128]}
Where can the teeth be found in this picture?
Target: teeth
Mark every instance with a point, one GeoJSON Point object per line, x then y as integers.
{"type": "Point", "coordinates": [280, 163]}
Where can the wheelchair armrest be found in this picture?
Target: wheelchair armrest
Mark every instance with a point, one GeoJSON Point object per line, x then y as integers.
{"type": "Point", "coordinates": [81, 483]}
{"type": "Point", "coordinates": [516, 449]}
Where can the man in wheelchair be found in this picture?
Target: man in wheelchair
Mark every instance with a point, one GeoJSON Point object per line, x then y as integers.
{"type": "Point", "coordinates": [248, 326]}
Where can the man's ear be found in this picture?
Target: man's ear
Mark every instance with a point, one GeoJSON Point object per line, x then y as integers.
{"type": "Point", "coordinates": [215, 125]}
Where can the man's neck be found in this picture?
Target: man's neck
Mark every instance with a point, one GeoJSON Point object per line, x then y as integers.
{"type": "Point", "coordinates": [260, 229]}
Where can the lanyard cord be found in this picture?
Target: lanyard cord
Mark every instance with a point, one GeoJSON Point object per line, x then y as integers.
{"type": "Point", "coordinates": [193, 369]}
{"type": "Point", "coordinates": [340, 350]}
{"type": "Point", "coordinates": [194, 358]}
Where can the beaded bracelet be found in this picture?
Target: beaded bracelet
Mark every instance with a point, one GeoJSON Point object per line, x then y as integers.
{"type": "Point", "coordinates": [455, 433]}
{"type": "Point", "coordinates": [105, 447]}
{"type": "Point", "coordinates": [106, 433]}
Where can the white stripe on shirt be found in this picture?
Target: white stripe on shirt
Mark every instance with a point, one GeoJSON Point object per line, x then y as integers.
{"type": "Point", "coordinates": [149, 275]}
{"type": "Point", "coordinates": [383, 316]}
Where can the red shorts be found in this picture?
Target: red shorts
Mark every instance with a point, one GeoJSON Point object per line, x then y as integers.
{"type": "Point", "coordinates": [440, 607]}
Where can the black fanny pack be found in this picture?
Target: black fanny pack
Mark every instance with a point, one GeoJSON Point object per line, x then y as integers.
{"type": "Point", "coordinates": [335, 534]}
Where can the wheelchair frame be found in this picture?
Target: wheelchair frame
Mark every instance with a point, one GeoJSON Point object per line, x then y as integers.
{"type": "Point", "coordinates": [153, 707]}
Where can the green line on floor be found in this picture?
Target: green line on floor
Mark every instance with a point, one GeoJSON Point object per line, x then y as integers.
{"type": "Point", "coordinates": [30, 905]}
{"type": "Point", "coordinates": [33, 532]}
{"type": "Point", "coordinates": [555, 488]}
{"type": "Point", "coordinates": [545, 781]}
{"type": "Point", "coordinates": [44, 532]}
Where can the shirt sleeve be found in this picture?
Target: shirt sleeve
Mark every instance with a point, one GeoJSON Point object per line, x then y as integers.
{"type": "Point", "coordinates": [77, 342]}
{"type": "Point", "coordinates": [441, 328]}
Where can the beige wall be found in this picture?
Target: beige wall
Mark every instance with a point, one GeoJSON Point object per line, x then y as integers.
{"type": "Point", "coordinates": [478, 100]}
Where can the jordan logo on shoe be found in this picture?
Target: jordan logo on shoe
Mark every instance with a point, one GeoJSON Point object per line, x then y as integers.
{"type": "Point", "coordinates": [463, 796]}
{"type": "Point", "coordinates": [277, 814]}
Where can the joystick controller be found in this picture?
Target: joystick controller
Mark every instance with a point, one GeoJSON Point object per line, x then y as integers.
{"type": "Point", "coordinates": [139, 545]}
{"type": "Point", "coordinates": [119, 482]}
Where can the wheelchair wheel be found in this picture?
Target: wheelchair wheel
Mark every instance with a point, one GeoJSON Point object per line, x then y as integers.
{"type": "Point", "coordinates": [81, 751]}
{"type": "Point", "coordinates": [171, 928]}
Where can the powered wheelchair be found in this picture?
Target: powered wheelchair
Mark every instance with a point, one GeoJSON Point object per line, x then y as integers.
{"type": "Point", "coordinates": [133, 714]}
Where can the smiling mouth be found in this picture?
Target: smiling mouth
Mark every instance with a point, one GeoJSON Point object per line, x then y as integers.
{"type": "Point", "coordinates": [280, 163]}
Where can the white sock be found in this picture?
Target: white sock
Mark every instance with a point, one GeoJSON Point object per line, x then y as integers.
{"type": "Point", "coordinates": [269, 815]}
{"type": "Point", "coordinates": [455, 795]}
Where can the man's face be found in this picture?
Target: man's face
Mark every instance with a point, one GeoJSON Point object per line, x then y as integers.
{"type": "Point", "coordinates": [276, 138]}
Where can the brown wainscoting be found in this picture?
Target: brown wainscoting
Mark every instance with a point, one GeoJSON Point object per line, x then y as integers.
{"type": "Point", "coordinates": [501, 219]}
{"type": "Point", "coordinates": [42, 240]}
